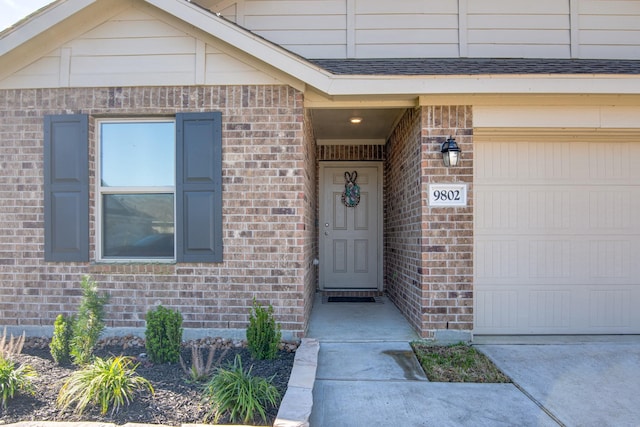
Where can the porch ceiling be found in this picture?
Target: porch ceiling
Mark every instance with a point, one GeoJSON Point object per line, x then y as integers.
{"type": "Point", "coordinates": [333, 126]}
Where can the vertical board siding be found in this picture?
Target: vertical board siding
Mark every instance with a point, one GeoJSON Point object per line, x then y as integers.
{"type": "Point", "coordinates": [136, 48]}
{"type": "Point", "coordinates": [448, 28]}
{"type": "Point", "coordinates": [142, 46]}
{"type": "Point", "coordinates": [609, 29]}
{"type": "Point", "coordinates": [518, 29]}
{"type": "Point", "coordinates": [313, 28]}
{"type": "Point", "coordinates": [407, 28]}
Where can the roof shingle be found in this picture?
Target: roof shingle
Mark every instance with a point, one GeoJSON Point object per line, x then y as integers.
{"type": "Point", "coordinates": [476, 66]}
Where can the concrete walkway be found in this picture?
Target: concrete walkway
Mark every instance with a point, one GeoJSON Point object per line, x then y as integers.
{"type": "Point", "coordinates": [367, 375]}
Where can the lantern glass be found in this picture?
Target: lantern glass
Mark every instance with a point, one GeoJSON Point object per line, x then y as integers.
{"type": "Point", "coordinates": [453, 156]}
{"type": "Point", "coordinates": [450, 152]}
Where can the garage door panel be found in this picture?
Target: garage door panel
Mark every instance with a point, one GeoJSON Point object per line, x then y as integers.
{"type": "Point", "coordinates": [496, 309]}
{"type": "Point", "coordinates": [610, 308]}
{"type": "Point", "coordinates": [557, 309]}
{"type": "Point", "coordinates": [610, 163]}
{"type": "Point", "coordinates": [550, 260]}
{"type": "Point", "coordinates": [576, 210]}
{"type": "Point", "coordinates": [557, 236]}
{"type": "Point", "coordinates": [497, 261]}
{"type": "Point", "coordinates": [549, 309]}
{"type": "Point", "coordinates": [611, 259]}
{"type": "Point", "coordinates": [530, 162]}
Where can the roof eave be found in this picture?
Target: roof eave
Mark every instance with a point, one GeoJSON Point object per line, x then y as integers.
{"type": "Point", "coordinates": [39, 22]}
{"type": "Point", "coordinates": [484, 84]}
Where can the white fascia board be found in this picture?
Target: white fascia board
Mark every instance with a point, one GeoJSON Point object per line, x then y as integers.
{"type": "Point", "coordinates": [244, 40]}
{"type": "Point", "coordinates": [35, 25]}
{"type": "Point", "coordinates": [485, 84]}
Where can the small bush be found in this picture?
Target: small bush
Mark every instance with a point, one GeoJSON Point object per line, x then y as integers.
{"type": "Point", "coordinates": [238, 393]}
{"type": "Point", "coordinates": [108, 383]}
{"type": "Point", "coordinates": [89, 323]}
{"type": "Point", "coordinates": [61, 340]}
{"type": "Point", "coordinates": [263, 333]}
{"type": "Point", "coordinates": [163, 335]}
{"type": "Point", "coordinates": [201, 370]}
{"type": "Point", "coordinates": [11, 347]}
{"type": "Point", "coordinates": [14, 379]}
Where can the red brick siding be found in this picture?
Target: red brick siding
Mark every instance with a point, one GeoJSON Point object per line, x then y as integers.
{"type": "Point", "coordinates": [265, 156]}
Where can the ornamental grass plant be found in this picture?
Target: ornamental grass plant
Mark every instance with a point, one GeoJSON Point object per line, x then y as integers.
{"type": "Point", "coordinates": [106, 383]}
{"type": "Point", "coordinates": [13, 379]}
{"type": "Point", "coordinates": [239, 394]}
{"type": "Point", "coordinates": [11, 347]}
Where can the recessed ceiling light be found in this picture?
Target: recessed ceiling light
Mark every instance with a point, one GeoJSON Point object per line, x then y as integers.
{"type": "Point", "coordinates": [356, 120]}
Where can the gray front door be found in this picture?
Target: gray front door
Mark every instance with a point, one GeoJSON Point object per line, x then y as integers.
{"type": "Point", "coordinates": [350, 234]}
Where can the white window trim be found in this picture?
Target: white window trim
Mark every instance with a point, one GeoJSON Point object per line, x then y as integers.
{"type": "Point", "coordinates": [100, 191]}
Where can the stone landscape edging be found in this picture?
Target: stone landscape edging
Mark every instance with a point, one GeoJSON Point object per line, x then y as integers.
{"type": "Point", "coordinates": [295, 408]}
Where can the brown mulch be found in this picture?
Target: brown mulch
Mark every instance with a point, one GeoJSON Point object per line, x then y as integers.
{"type": "Point", "coordinates": [176, 399]}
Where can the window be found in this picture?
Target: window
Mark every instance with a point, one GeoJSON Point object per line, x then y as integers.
{"type": "Point", "coordinates": [159, 189]}
{"type": "Point", "coordinates": [136, 190]}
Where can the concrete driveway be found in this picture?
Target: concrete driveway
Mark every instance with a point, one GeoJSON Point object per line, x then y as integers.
{"type": "Point", "coordinates": [579, 382]}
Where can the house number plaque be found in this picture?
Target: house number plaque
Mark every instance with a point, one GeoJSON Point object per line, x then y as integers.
{"type": "Point", "coordinates": [447, 194]}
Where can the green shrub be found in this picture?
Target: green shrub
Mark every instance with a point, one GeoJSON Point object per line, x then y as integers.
{"type": "Point", "coordinates": [104, 383]}
{"type": "Point", "coordinates": [163, 335]}
{"type": "Point", "coordinates": [263, 333]}
{"type": "Point", "coordinates": [14, 379]}
{"type": "Point", "coordinates": [89, 323]}
{"type": "Point", "coordinates": [238, 393]}
{"type": "Point", "coordinates": [61, 340]}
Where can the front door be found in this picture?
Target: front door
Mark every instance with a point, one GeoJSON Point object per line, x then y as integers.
{"type": "Point", "coordinates": [350, 226]}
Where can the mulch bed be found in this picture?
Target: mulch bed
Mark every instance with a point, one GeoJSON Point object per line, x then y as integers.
{"type": "Point", "coordinates": [176, 400]}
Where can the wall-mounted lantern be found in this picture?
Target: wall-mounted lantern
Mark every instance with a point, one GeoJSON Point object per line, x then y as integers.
{"type": "Point", "coordinates": [450, 152]}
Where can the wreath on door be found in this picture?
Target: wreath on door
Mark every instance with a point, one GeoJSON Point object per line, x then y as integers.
{"type": "Point", "coordinates": [351, 193]}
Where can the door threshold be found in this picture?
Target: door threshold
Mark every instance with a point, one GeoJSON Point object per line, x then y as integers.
{"type": "Point", "coordinates": [338, 292]}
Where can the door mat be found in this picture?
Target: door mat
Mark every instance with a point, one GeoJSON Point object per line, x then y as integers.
{"type": "Point", "coordinates": [351, 299]}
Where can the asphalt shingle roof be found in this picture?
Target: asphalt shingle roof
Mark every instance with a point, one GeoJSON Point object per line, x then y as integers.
{"type": "Point", "coordinates": [476, 66]}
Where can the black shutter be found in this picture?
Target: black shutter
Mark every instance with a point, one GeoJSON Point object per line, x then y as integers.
{"type": "Point", "coordinates": [199, 187]}
{"type": "Point", "coordinates": [66, 188]}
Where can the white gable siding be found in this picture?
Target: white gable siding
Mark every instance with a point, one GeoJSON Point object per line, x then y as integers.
{"type": "Point", "coordinates": [518, 28]}
{"type": "Point", "coordinates": [136, 48]}
{"type": "Point", "coordinates": [415, 28]}
{"type": "Point", "coordinates": [609, 29]}
{"type": "Point", "coordinates": [312, 28]}
{"type": "Point", "coordinates": [446, 28]}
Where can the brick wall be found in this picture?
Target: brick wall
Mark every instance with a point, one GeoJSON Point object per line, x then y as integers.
{"type": "Point", "coordinates": [266, 217]}
{"type": "Point", "coordinates": [447, 232]}
{"type": "Point", "coordinates": [310, 231]}
{"type": "Point", "coordinates": [429, 250]}
{"type": "Point", "coordinates": [403, 218]}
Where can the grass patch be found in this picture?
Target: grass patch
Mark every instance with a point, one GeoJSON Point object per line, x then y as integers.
{"type": "Point", "coordinates": [456, 363]}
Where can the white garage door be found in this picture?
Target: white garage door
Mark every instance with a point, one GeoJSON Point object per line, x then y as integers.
{"type": "Point", "coordinates": [557, 235]}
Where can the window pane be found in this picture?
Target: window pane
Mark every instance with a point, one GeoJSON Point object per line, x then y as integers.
{"type": "Point", "coordinates": [137, 154]}
{"type": "Point", "coordinates": [138, 226]}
